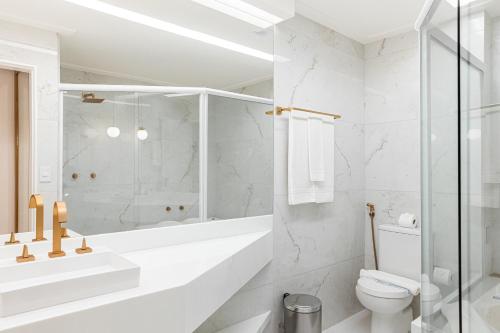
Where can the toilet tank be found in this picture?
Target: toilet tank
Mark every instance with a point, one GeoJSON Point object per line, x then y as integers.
{"type": "Point", "coordinates": [399, 251]}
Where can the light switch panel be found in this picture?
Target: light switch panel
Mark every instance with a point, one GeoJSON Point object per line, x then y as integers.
{"type": "Point", "coordinates": [45, 174]}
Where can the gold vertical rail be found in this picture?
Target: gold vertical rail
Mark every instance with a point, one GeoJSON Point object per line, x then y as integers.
{"type": "Point", "coordinates": [279, 111]}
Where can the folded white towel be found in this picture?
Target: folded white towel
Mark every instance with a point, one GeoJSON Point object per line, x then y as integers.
{"type": "Point", "coordinates": [315, 147]}
{"type": "Point", "coordinates": [324, 190]}
{"type": "Point", "coordinates": [412, 286]}
{"type": "Point", "coordinates": [300, 187]}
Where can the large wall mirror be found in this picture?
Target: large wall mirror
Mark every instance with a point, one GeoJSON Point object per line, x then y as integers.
{"type": "Point", "coordinates": [156, 115]}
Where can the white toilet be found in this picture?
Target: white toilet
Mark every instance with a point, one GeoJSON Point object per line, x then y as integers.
{"type": "Point", "coordinates": [388, 293]}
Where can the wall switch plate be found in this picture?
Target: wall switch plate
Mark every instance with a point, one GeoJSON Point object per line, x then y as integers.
{"type": "Point", "coordinates": [45, 174]}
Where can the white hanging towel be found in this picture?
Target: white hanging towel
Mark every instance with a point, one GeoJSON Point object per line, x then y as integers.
{"type": "Point", "coordinates": [316, 150]}
{"type": "Point", "coordinates": [300, 187]}
{"type": "Point", "coordinates": [324, 189]}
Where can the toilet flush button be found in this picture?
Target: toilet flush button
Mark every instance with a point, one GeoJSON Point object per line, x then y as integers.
{"type": "Point", "coordinates": [45, 174]}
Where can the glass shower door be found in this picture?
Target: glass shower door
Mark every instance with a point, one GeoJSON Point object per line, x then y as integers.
{"type": "Point", "coordinates": [460, 166]}
{"type": "Point", "coordinates": [130, 160]}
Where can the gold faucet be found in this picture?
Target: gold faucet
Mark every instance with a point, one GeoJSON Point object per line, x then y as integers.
{"type": "Point", "coordinates": [36, 201]}
{"type": "Point", "coordinates": [60, 216]}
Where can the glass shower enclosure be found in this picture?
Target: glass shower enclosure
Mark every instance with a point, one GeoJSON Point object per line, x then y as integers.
{"type": "Point", "coordinates": [460, 122]}
{"type": "Point", "coordinates": [135, 157]}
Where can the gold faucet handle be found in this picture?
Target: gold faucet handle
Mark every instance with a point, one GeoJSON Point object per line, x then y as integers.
{"type": "Point", "coordinates": [84, 248]}
{"type": "Point", "coordinates": [36, 201]}
{"type": "Point", "coordinates": [12, 240]}
{"type": "Point", "coordinates": [25, 256]}
{"type": "Point", "coordinates": [60, 212]}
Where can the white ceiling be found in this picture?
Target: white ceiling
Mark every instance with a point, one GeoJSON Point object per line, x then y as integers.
{"type": "Point", "coordinates": [105, 44]}
{"type": "Point", "coordinates": [363, 20]}
{"type": "Point", "coordinates": [101, 43]}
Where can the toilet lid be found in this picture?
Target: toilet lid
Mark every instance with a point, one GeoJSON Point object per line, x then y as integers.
{"type": "Point", "coordinates": [381, 289]}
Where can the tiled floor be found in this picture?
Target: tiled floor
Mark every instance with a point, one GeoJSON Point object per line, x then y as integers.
{"type": "Point", "coordinates": [359, 323]}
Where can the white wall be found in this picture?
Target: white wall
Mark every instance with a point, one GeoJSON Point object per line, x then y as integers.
{"type": "Point", "coordinates": [392, 130]}
{"type": "Point", "coordinates": [240, 155]}
{"type": "Point", "coordinates": [39, 50]}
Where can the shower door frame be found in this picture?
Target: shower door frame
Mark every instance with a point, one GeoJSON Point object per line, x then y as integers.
{"type": "Point", "coordinates": [202, 92]}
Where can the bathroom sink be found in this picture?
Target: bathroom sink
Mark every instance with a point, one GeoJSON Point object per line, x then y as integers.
{"type": "Point", "coordinates": [47, 282]}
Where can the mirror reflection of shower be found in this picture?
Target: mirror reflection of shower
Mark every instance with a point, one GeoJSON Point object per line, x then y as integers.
{"type": "Point", "coordinates": [163, 158]}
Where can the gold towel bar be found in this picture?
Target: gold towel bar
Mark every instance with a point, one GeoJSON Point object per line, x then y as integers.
{"type": "Point", "coordinates": [280, 110]}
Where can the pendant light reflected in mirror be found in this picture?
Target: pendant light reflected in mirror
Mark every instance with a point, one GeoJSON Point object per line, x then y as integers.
{"type": "Point", "coordinates": [113, 131]}
{"type": "Point", "coordinates": [142, 134]}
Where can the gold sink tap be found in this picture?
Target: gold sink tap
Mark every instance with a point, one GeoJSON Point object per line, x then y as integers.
{"type": "Point", "coordinates": [36, 201]}
{"type": "Point", "coordinates": [60, 216]}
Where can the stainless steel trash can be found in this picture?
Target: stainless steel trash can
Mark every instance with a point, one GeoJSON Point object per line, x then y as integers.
{"type": "Point", "coordinates": [302, 313]}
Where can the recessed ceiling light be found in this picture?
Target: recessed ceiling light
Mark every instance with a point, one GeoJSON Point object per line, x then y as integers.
{"type": "Point", "coordinates": [242, 11]}
{"type": "Point", "coordinates": [154, 23]}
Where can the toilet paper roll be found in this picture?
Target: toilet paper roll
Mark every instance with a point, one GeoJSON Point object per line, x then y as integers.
{"type": "Point", "coordinates": [442, 276]}
{"type": "Point", "coordinates": [407, 220]}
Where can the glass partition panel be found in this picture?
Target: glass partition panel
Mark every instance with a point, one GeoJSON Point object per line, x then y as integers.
{"type": "Point", "coordinates": [479, 99]}
{"type": "Point", "coordinates": [240, 158]}
{"type": "Point", "coordinates": [440, 169]}
{"type": "Point", "coordinates": [130, 160]}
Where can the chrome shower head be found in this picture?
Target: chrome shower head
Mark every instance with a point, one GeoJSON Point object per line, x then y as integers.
{"type": "Point", "coordinates": [90, 98]}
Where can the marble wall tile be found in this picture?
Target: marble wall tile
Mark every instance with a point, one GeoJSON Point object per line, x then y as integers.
{"type": "Point", "coordinates": [240, 164]}
{"type": "Point", "coordinates": [311, 236]}
{"type": "Point", "coordinates": [392, 132]}
{"type": "Point", "coordinates": [318, 74]}
{"type": "Point", "coordinates": [395, 44]}
{"type": "Point", "coordinates": [392, 156]}
{"type": "Point", "coordinates": [392, 87]}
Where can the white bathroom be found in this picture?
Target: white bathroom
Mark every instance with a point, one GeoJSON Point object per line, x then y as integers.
{"type": "Point", "coordinates": [249, 166]}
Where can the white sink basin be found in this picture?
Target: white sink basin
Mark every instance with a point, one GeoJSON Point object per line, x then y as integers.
{"type": "Point", "coordinates": [47, 282]}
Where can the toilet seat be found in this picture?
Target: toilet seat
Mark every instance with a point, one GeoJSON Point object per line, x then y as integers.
{"type": "Point", "coordinates": [381, 289]}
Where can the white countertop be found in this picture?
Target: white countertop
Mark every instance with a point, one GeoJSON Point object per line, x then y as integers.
{"type": "Point", "coordinates": [182, 282]}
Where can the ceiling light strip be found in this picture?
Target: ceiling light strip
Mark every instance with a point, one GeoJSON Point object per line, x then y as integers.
{"type": "Point", "coordinates": [170, 27]}
{"type": "Point", "coordinates": [242, 11]}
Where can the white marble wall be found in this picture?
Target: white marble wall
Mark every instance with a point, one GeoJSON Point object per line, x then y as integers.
{"type": "Point", "coordinates": [240, 155]}
{"type": "Point", "coordinates": [319, 249]}
{"type": "Point", "coordinates": [22, 45]}
{"type": "Point", "coordinates": [391, 160]}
